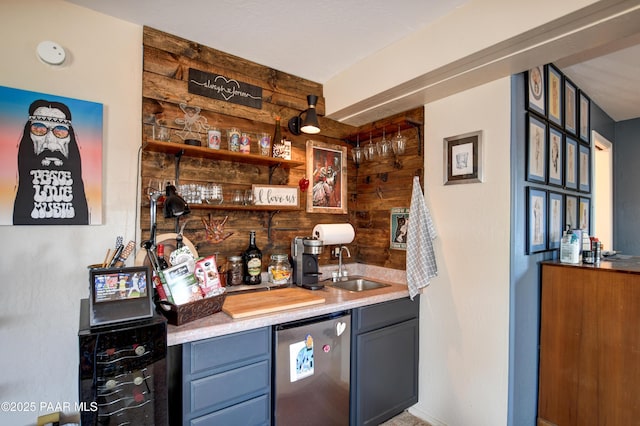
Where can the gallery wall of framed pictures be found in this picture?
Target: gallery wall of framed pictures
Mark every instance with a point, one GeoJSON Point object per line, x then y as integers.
{"type": "Point", "coordinates": [558, 158]}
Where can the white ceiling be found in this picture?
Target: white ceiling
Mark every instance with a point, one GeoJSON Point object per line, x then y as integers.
{"type": "Point", "coordinates": [316, 40]}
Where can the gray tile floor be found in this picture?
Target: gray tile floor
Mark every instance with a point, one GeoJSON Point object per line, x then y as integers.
{"type": "Point", "coordinates": [405, 419]}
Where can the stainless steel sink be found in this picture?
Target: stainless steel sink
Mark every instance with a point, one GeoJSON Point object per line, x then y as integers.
{"type": "Point", "coordinates": [358, 284]}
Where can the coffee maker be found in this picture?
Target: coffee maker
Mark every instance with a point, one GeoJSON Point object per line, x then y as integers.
{"type": "Point", "coordinates": [304, 253]}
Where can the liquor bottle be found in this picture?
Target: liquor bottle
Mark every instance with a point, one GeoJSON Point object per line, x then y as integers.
{"type": "Point", "coordinates": [276, 142]}
{"type": "Point", "coordinates": [252, 261]}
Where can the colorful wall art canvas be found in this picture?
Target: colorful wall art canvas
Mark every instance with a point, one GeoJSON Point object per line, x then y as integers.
{"type": "Point", "coordinates": [51, 162]}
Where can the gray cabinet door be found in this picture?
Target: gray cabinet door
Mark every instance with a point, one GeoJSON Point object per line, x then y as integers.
{"type": "Point", "coordinates": [384, 360]}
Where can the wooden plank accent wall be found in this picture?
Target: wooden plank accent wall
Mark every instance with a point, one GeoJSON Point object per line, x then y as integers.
{"type": "Point", "coordinates": [373, 189]}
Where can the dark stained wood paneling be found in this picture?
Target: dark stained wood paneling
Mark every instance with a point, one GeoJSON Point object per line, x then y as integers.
{"type": "Point", "coordinates": [373, 189]}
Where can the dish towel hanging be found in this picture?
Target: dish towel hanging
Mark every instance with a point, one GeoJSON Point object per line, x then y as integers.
{"type": "Point", "coordinates": [421, 259]}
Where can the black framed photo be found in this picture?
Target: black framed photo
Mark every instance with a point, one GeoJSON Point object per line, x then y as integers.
{"type": "Point", "coordinates": [536, 220]}
{"type": "Point", "coordinates": [571, 163]}
{"type": "Point", "coordinates": [556, 219]}
{"type": "Point", "coordinates": [463, 158]}
{"type": "Point", "coordinates": [570, 107]}
{"type": "Point", "coordinates": [585, 214]}
{"type": "Point", "coordinates": [536, 90]}
{"type": "Point", "coordinates": [584, 155]}
{"type": "Point", "coordinates": [556, 165]}
{"type": "Point", "coordinates": [536, 149]}
{"type": "Point", "coordinates": [571, 211]}
{"type": "Point", "coordinates": [554, 95]}
{"type": "Point", "coordinates": [585, 118]}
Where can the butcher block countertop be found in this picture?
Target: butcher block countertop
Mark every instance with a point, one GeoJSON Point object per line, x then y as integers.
{"type": "Point", "coordinates": [335, 300]}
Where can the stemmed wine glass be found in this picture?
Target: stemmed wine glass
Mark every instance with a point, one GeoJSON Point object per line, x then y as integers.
{"type": "Point", "coordinates": [399, 143]}
{"type": "Point", "coordinates": [384, 146]}
{"type": "Point", "coordinates": [370, 150]}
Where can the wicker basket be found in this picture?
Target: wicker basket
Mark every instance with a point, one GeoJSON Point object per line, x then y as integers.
{"type": "Point", "coordinates": [182, 314]}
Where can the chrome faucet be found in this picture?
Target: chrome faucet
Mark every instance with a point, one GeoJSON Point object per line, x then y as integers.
{"type": "Point", "coordinates": [339, 250]}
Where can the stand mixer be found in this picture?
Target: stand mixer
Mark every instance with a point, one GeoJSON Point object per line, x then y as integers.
{"type": "Point", "coordinates": [304, 253]}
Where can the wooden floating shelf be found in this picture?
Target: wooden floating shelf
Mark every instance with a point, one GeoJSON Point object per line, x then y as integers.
{"type": "Point", "coordinates": [252, 208]}
{"type": "Point", "coordinates": [217, 154]}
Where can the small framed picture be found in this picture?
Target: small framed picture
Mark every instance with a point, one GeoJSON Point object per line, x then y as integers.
{"type": "Point", "coordinates": [571, 211]}
{"type": "Point", "coordinates": [556, 219]}
{"type": "Point", "coordinates": [536, 220]}
{"type": "Point", "coordinates": [585, 214]}
{"type": "Point", "coordinates": [463, 158]}
{"type": "Point", "coordinates": [571, 163]}
{"type": "Point", "coordinates": [554, 95]}
{"type": "Point", "coordinates": [556, 165]}
{"type": "Point", "coordinates": [399, 224]}
{"type": "Point", "coordinates": [585, 118]}
{"type": "Point", "coordinates": [536, 149]}
{"type": "Point", "coordinates": [584, 168]}
{"type": "Point", "coordinates": [570, 106]}
{"type": "Point", "coordinates": [536, 90]}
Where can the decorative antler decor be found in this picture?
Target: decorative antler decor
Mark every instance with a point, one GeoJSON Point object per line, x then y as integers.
{"type": "Point", "coordinates": [215, 229]}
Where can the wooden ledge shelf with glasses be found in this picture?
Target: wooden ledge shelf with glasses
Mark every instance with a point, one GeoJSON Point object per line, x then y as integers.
{"type": "Point", "coordinates": [217, 154]}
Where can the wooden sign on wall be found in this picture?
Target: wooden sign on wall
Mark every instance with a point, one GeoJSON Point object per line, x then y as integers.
{"type": "Point", "coordinates": [219, 87]}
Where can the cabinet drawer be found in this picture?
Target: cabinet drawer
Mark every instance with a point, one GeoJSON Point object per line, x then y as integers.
{"type": "Point", "coordinates": [248, 413]}
{"type": "Point", "coordinates": [383, 314]}
{"type": "Point", "coordinates": [230, 387]}
{"type": "Point", "coordinates": [226, 352]}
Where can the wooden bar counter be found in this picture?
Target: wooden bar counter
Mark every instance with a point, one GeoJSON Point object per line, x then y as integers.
{"type": "Point", "coordinates": [590, 343]}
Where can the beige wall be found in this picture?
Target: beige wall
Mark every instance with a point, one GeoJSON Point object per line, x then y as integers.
{"type": "Point", "coordinates": [43, 267]}
{"type": "Point", "coordinates": [464, 317]}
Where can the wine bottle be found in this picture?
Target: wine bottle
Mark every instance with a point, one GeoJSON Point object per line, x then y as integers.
{"type": "Point", "coordinates": [160, 265]}
{"type": "Point", "coordinates": [162, 262]}
{"type": "Point", "coordinates": [252, 261]}
{"type": "Point", "coordinates": [276, 143]}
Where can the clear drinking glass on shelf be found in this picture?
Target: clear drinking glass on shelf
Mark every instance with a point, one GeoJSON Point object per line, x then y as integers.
{"type": "Point", "coordinates": [214, 194]}
{"type": "Point", "coordinates": [248, 197]}
{"type": "Point", "coordinates": [238, 198]}
{"type": "Point", "coordinates": [155, 187]}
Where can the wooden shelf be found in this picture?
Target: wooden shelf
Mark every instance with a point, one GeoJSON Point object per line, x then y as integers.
{"type": "Point", "coordinates": [236, 207]}
{"type": "Point", "coordinates": [217, 154]}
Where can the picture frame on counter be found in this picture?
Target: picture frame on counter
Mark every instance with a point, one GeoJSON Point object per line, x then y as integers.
{"type": "Point", "coordinates": [536, 161]}
{"type": "Point", "coordinates": [463, 158]}
{"type": "Point", "coordinates": [536, 90]}
{"type": "Point", "coordinates": [327, 167]}
{"type": "Point", "coordinates": [571, 163]}
{"type": "Point", "coordinates": [556, 219]}
{"type": "Point", "coordinates": [570, 106]}
{"type": "Point", "coordinates": [556, 151]}
{"type": "Point", "coordinates": [570, 211]}
{"type": "Point", "coordinates": [584, 215]}
{"type": "Point", "coordinates": [276, 195]}
{"type": "Point", "coordinates": [555, 106]}
{"type": "Point", "coordinates": [585, 118]}
{"type": "Point", "coordinates": [584, 169]}
{"type": "Point", "coordinates": [536, 220]}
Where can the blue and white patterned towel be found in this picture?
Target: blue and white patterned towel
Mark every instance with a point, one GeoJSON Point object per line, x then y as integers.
{"type": "Point", "coordinates": [421, 259]}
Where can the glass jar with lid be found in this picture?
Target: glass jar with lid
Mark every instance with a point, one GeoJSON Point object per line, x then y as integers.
{"type": "Point", "coordinates": [279, 269]}
{"type": "Point", "coordinates": [234, 270]}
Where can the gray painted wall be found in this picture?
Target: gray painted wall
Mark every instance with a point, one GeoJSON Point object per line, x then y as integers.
{"type": "Point", "coordinates": [626, 187]}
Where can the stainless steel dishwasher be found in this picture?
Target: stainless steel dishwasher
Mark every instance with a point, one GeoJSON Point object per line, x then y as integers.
{"type": "Point", "coordinates": [311, 370]}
